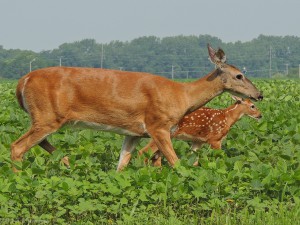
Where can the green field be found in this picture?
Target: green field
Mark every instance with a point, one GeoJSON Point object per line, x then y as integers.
{"type": "Point", "coordinates": [255, 179]}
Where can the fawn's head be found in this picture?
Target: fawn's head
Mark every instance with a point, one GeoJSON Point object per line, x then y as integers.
{"type": "Point", "coordinates": [248, 108]}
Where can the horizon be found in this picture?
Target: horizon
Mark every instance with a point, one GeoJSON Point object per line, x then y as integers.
{"type": "Point", "coordinates": [124, 41]}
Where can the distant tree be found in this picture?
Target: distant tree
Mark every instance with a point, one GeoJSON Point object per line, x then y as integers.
{"type": "Point", "coordinates": [186, 55]}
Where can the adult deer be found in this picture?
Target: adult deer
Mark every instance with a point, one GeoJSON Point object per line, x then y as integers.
{"type": "Point", "coordinates": [131, 103]}
{"type": "Point", "coordinates": [206, 125]}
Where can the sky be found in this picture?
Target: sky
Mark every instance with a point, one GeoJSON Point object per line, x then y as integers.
{"type": "Point", "coordinates": [39, 25]}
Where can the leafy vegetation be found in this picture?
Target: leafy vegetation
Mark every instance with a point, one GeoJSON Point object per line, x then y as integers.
{"type": "Point", "coordinates": [255, 179]}
{"type": "Point", "coordinates": [178, 56]}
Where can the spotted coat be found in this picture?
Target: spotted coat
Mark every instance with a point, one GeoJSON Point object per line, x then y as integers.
{"type": "Point", "coordinates": [207, 125]}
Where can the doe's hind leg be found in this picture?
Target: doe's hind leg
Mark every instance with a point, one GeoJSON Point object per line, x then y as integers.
{"type": "Point", "coordinates": [50, 148]}
{"type": "Point", "coordinates": [31, 138]}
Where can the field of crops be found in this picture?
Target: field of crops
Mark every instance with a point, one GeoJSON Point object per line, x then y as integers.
{"type": "Point", "coordinates": [255, 179]}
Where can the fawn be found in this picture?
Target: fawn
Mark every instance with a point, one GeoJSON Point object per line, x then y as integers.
{"type": "Point", "coordinates": [207, 125]}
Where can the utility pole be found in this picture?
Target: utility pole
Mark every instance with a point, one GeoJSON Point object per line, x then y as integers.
{"type": "Point", "coordinates": [60, 61]}
{"type": "Point", "coordinates": [30, 64]}
{"type": "Point", "coordinates": [172, 74]}
{"type": "Point", "coordinates": [286, 69]}
{"type": "Point", "coordinates": [270, 59]}
{"type": "Point", "coordinates": [101, 62]}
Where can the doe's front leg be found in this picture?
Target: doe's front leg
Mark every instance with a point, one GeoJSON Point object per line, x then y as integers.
{"type": "Point", "coordinates": [163, 141]}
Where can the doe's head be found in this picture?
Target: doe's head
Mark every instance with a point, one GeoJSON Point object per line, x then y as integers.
{"type": "Point", "coordinates": [233, 80]}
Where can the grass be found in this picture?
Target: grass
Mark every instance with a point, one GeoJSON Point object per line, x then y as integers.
{"type": "Point", "coordinates": [255, 179]}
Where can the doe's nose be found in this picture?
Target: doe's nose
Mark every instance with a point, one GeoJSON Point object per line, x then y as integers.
{"type": "Point", "coordinates": [260, 97]}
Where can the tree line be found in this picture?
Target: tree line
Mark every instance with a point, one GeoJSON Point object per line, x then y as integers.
{"type": "Point", "coordinates": [173, 57]}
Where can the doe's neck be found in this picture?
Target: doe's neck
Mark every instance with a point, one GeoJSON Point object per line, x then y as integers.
{"type": "Point", "coordinates": [203, 90]}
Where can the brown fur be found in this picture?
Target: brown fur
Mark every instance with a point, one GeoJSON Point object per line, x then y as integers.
{"type": "Point", "coordinates": [131, 103]}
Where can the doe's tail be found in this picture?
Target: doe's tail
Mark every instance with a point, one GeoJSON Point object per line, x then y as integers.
{"type": "Point", "coordinates": [20, 93]}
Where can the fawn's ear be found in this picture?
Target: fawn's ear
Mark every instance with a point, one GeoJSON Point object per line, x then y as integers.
{"type": "Point", "coordinates": [237, 99]}
{"type": "Point", "coordinates": [216, 57]}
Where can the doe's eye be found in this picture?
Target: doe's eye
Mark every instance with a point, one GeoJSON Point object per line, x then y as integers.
{"type": "Point", "coordinates": [239, 76]}
{"type": "Point", "coordinates": [252, 106]}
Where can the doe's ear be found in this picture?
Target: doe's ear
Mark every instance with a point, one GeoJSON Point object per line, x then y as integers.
{"type": "Point", "coordinates": [216, 57]}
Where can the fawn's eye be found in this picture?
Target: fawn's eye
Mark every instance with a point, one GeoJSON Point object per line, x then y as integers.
{"type": "Point", "coordinates": [252, 106]}
{"type": "Point", "coordinates": [239, 76]}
